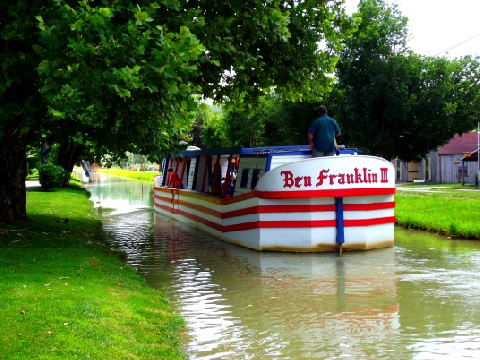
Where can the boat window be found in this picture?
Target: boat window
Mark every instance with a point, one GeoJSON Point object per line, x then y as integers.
{"type": "Point", "coordinates": [255, 177]}
{"type": "Point", "coordinates": [244, 179]}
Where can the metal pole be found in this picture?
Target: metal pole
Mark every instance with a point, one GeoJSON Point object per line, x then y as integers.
{"type": "Point", "coordinates": [478, 154]}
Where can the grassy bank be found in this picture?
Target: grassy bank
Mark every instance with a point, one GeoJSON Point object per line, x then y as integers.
{"type": "Point", "coordinates": [65, 294]}
{"type": "Point", "coordinates": [448, 209]}
{"type": "Point", "coordinates": [136, 175]}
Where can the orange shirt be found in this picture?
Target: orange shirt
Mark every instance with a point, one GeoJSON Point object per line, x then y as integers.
{"type": "Point", "coordinates": [173, 180]}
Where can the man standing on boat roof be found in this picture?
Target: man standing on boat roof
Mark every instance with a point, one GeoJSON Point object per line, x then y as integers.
{"type": "Point", "coordinates": [322, 133]}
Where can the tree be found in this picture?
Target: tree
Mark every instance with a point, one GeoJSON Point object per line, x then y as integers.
{"type": "Point", "coordinates": [212, 133]}
{"type": "Point", "coordinates": [288, 122]}
{"type": "Point", "coordinates": [110, 77]}
{"type": "Point", "coordinates": [395, 103]}
{"type": "Point", "coordinates": [264, 45]}
{"type": "Point", "coordinates": [21, 107]}
{"type": "Point", "coordinates": [466, 94]}
{"type": "Point", "coordinates": [273, 122]}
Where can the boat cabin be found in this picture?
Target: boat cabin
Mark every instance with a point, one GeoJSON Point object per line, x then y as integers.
{"type": "Point", "coordinates": [232, 171]}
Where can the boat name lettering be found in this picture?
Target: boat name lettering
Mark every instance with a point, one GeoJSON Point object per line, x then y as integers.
{"type": "Point", "coordinates": [358, 176]}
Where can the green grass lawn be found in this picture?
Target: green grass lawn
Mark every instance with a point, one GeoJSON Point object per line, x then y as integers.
{"type": "Point", "coordinates": [449, 209]}
{"type": "Point", "coordinates": [136, 175]}
{"type": "Point", "coordinates": [66, 294]}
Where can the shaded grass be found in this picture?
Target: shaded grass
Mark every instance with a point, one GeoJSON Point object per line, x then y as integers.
{"type": "Point", "coordinates": [451, 209]}
{"type": "Point", "coordinates": [65, 294]}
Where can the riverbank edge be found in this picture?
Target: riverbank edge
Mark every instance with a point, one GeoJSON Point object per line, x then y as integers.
{"type": "Point", "coordinates": [445, 209]}
{"type": "Point", "coordinates": [128, 318]}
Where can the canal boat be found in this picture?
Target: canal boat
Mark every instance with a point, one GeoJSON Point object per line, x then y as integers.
{"type": "Point", "coordinates": [281, 199]}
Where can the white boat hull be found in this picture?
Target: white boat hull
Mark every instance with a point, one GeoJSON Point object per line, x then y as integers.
{"type": "Point", "coordinates": [285, 214]}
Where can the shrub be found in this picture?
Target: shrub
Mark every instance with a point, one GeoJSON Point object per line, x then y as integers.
{"type": "Point", "coordinates": [52, 176]}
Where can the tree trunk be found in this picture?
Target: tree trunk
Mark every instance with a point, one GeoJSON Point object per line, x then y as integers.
{"type": "Point", "coordinates": [68, 154]}
{"type": "Point", "coordinates": [13, 199]}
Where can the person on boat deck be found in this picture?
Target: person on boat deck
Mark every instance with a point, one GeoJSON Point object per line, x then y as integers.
{"type": "Point", "coordinates": [217, 179]}
{"type": "Point", "coordinates": [172, 179]}
{"type": "Point", "coordinates": [322, 133]}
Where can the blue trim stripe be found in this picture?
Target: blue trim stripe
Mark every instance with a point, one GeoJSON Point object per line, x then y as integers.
{"type": "Point", "coordinates": [340, 223]}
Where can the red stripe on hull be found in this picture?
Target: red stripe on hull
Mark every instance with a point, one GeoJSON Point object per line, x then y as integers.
{"type": "Point", "coordinates": [368, 207]}
{"type": "Point", "coordinates": [275, 209]}
{"type": "Point", "coordinates": [294, 194]}
{"type": "Point", "coordinates": [306, 224]}
{"type": "Point", "coordinates": [324, 193]}
{"type": "Point", "coordinates": [369, 222]}
{"type": "Point", "coordinates": [281, 224]}
{"type": "Point", "coordinates": [166, 208]}
{"type": "Point", "coordinates": [206, 197]}
{"type": "Point", "coordinates": [164, 198]}
{"type": "Point", "coordinates": [193, 217]}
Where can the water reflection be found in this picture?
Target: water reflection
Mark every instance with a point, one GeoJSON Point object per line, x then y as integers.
{"type": "Point", "coordinates": [118, 195]}
{"type": "Point", "coordinates": [439, 295]}
{"type": "Point", "coordinates": [240, 303]}
{"type": "Point", "coordinates": [418, 300]}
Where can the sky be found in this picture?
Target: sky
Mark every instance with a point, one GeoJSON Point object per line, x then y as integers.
{"type": "Point", "coordinates": [448, 28]}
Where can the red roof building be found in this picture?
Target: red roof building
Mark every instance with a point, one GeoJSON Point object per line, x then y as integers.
{"type": "Point", "coordinates": [459, 145]}
{"type": "Point", "coordinates": [455, 162]}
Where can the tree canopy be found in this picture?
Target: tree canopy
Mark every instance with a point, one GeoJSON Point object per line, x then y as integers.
{"type": "Point", "coordinates": [397, 104]}
{"type": "Point", "coordinates": [389, 101]}
{"type": "Point", "coordinates": [99, 77]}
{"type": "Point", "coordinates": [127, 77]}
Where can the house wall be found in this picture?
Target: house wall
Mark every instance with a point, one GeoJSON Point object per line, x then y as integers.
{"type": "Point", "coordinates": [472, 170]}
{"type": "Point", "coordinates": [442, 169]}
{"type": "Point", "coordinates": [451, 173]}
{"type": "Point", "coordinates": [401, 170]}
{"type": "Point", "coordinates": [414, 171]}
{"type": "Point", "coordinates": [434, 167]}
{"type": "Point", "coordinates": [437, 169]}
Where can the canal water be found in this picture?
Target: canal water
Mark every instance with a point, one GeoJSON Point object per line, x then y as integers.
{"type": "Point", "coordinates": [417, 300]}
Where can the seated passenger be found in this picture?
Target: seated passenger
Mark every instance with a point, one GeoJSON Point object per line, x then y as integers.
{"type": "Point", "coordinates": [172, 179]}
{"type": "Point", "coordinates": [217, 179]}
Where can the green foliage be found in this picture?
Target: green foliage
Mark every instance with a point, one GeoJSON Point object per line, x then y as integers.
{"type": "Point", "coordinates": [245, 128]}
{"type": "Point", "coordinates": [397, 104]}
{"type": "Point", "coordinates": [20, 102]}
{"type": "Point", "coordinates": [289, 122]}
{"type": "Point", "coordinates": [213, 131]}
{"type": "Point", "coordinates": [52, 176]}
{"type": "Point", "coordinates": [262, 46]}
{"type": "Point", "coordinates": [108, 77]}
{"type": "Point", "coordinates": [272, 122]}
{"type": "Point", "coordinates": [138, 96]}
{"type": "Point", "coordinates": [146, 62]}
